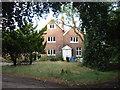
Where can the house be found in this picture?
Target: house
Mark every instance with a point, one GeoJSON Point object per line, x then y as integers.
{"type": "Point", "coordinates": [61, 42]}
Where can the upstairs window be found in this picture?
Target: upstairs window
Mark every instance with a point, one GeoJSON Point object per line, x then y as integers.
{"type": "Point", "coordinates": [78, 52]}
{"type": "Point", "coordinates": [51, 52]}
{"type": "Point", "coordinates": [74, 40]}
{"type": "Point", "coordinates": [51, 39]}
{"type": "Point", "coordinates": [51, 26]}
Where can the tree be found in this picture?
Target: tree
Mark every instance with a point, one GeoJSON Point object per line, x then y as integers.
{"type": "Point", "coordinates": [24, 41]}
{"type": "Point", "coordinates": [22, 13]}
{"type": "Point", "coordinates": [71, 13]}
{"type": "Point", "coordinates": [96, 21]}
{"type": "Point", "coordinates": [10, 45]}
{"type": "Point", "coordinates": [31, 40]}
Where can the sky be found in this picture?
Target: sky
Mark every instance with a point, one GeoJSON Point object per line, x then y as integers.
{"type": "Point", "coordinates": [42, 22]}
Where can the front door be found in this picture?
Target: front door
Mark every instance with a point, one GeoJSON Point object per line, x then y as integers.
{"type": "Point", "coordinates": [66, 52]}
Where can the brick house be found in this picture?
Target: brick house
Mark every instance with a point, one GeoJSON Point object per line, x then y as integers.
{"type": "Point", "coordinates": [61, 42]}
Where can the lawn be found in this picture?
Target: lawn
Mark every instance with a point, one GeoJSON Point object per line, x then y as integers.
{"type": "Point", "coordinates": [72, 72]}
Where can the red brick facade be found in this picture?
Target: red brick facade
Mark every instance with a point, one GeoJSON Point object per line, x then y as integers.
{"type": "Point", "coordinates": [62, 38]}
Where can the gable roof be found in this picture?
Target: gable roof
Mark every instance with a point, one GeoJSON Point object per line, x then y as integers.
{"type": "Point", "coordinates": [53, 22]}
{"type": "Point", "coordinates": [66, 32]}
{"type": "Point", "coordinates": [67, 47]}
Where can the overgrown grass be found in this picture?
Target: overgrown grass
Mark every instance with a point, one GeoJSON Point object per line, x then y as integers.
{"type": "Point", "coordinates": [71, 72]}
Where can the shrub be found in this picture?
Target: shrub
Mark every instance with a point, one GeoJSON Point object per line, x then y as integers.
{"type": "Point", "coordinates": [52, 58]}
{"type": "Point", "coordinates": [42, 59]}
{"type": "Point", "coordinates": [59, 56]}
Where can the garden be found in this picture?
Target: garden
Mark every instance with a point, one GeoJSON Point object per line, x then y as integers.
{"type": "Point", "coordinates": [61, 71]}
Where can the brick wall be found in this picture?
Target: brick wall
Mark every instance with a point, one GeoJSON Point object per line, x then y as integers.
{"type": "Point", "coordinates": [67, 39]}
{"type": "Point", "coordinates": [58, 34]}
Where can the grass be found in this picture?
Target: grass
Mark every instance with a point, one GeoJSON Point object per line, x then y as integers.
{"type": "Point", "coordinates": [72, 73]}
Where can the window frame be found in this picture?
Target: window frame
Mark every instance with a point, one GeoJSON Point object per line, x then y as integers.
{"type": "Point", "coordinates": [51, 26]}
{"type": "Point", "coordinates": [74, 40]}
{"type": "Point", "coordinates": [51, 52]}
{"type": "Point", "coordinates": [78, 52]}
{"type": "Point", "coordinates": [51, 39]}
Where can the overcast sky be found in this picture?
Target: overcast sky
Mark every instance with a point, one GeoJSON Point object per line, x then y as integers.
{"type": "Point", "coordinates": [42, 22]}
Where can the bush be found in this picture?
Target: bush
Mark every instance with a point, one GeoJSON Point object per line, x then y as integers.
{"type": "Point", "coordinates": [59, 56]}
{"type": "Point", "coordinates": [52, 58]}
{"type": "Point", "coordinates": [42, 59]}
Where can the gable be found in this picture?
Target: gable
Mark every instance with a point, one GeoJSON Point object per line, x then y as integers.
{"type": "Point", "coordinates": [52, 22]}
{"type": "Point", "coordinates": [71, 33]}
{"type": "Point", "coordinates": [67, 47]}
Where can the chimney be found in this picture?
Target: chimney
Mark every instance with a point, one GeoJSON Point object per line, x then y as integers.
{"type": "Point", "coordinates": [62, 19]}
{"type": "Point", "coordinates": [74, 23]}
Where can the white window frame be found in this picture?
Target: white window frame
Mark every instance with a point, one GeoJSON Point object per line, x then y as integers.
{"type": "Point", "coordinates": [51, 52]}
{"type": "Point", "coordinates": [49, 26]}
{"type": "Point", "coordinates": [78, 52]}
{"type": "Point", "coordinates": [74, 40]}
{"type": "Point", "coordinates": [52, 39]}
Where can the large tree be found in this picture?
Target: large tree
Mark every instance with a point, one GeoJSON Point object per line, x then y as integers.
{"type": "Point", "coordinates": [23, 41]}
{"type": "Point", "coordinates": [102, 33]}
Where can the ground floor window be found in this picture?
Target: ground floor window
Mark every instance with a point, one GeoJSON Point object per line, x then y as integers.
{"type": "Point", "coordinates": [51, 52]}
{"type": "Point", "coordinates": [78, 51]}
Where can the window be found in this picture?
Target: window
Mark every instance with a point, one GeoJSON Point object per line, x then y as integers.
{"type": "Point", "coordinates": [51, 40]}
{"type": "Point", "coordinates": [78, 52]}
{"type": "Point", "coordinates": [74, 40]}
{"type": "Point", "coordinates": [51, 52]}
{"type": "Point", "coordinates": [51, 26]}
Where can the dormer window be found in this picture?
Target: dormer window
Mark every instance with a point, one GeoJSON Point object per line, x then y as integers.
{"type": "Point", "coordinates": [51, 26]}
{"type": "Point", "coordinates": [74, 40]}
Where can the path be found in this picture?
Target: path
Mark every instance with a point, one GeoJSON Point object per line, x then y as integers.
{"type": "Point", "coordinates": [9, 81]}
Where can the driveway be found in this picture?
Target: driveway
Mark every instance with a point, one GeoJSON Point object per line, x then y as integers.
{"type": "Point", "coordinates": [9, 81]}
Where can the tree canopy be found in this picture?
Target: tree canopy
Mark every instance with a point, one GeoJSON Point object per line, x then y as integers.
{"type": "Point", "coordinates": [101, 41]}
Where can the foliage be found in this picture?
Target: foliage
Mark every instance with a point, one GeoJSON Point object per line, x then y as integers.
{"type": "Point", "coordinates": [23, 12]}
{"type": "Point", "coordinates": [43, 59]}
{"type": "Point", "coordinates": [52, 58]}
{"type": "Point", "coordinates": [22, 41]}
{"type": "Point", "coordinates": [102, 33]}
{"type": "Point", "coordinates": [59, 56]}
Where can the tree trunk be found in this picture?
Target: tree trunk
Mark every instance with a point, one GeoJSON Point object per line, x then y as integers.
{"type": "Point", "coordinates": [30, 58]}
{"type": "Point", "coordinates": [13, 57]}
{"type": "Point", "coordinates": [14, 61]}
